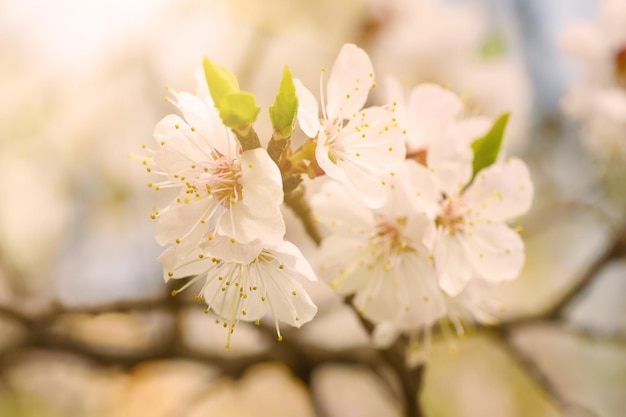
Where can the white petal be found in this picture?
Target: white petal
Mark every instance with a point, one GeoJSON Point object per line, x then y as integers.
{"type": "Point", "coordinates": [452, 262]}
{"type": "Point", "coordinates": [496, 251]}
{"type": "Point", "coordinates": [174, 267]}
{"type": "Point", "coordinates": [262, 182]}
{"type": "Point", "coordinates": [292, 258]}
{"type": "Point", "coordinates": [394, 93]}
{"type": "Point", "coordinates": [421, 231]}
{"type": "Point", "coordinates": [197, 114]}
{"type": "Point", "coordinates": [423, 187]}
{"type": "Point", "coordinates": [500, 192]}
{"type": "Point", "coordinates": [308, 110]}
{"type": "Point", "coordinates": [378, 300]}
{"type": "Point", "coordinates": [468, 130]}
{"type": "Point", "coordinates": [240, 222]}
{"type": "Point", "coordinates": [373, 140]}
{"type": "Point", "coordinates": [407, 294]}
{"type": "Point", "coordinates": [431, 109]}
{"type": "Point", "coordinates": [288, 300]}
{"type": "Point", "coordinates": [385, 334]}
{"type": "Point", "coordinates": [340, 263]}
{"type": "Point", "coordinates": [339, 212]}
{"type": "Point", "coordinates": [323, 159]}
{"type": "Point", "coordinates": [205, 119]}
{"type": "Point", "coordinates": [182, 221]}
{"type": "Point", "coordinates": [612, 15]}
{"type": "Point", "coordinates": [349, 83]}
{"type": "Point", "coordinates": [585, 42]}
{"type": "Point", "coordinates": [175, 150]}
{"type": "Point", "coordinates": [364, 185]}
{"type": "Point", "coordinates": [452, 165]}
{"type": "Point", "coordinates": [223, 296]}
{"type": "Point", "coordinates": [222, 248]}
{"type": "Point", "coordinates": [424, 299]}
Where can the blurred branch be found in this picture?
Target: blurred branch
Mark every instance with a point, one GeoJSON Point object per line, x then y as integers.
{"type": "Point", "coordinates": [297, 203]}
{"type": "Point", "coordinates": [395, 356]}
{"type": "Point", "coordinates": [532, 369]}
{"type": "Point", "coordinates": [614, 250]}
{"type": "Point", "coordinates": [299, 357]}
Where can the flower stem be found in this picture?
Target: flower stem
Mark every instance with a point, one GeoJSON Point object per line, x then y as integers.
{"type": "Point", "coordinates": [295, 201]}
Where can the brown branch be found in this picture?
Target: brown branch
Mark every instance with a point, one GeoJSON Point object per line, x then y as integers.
{"type": "Point", "coordinates": [616, 249]}
{"type": "Point", "coordinates": [539, 377]}
{"type": "Point", "coordinates": [296, 202]}
{"type": "Point", "coordinates": [395, 357]}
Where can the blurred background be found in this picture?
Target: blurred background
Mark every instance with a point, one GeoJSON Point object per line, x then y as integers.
{"type": "Point", "coordinates": [87, 327]}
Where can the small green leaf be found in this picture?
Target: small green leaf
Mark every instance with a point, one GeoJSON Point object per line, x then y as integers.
{"type": "Point", "coordinates": [220, 80]}
{"type": "Point", "coordinates": [493, 47]}
{"type": "Point", "coordinates": [238, 110]}
{"type": "Point", "coordinates": [487, 148]}
{"type": "Point", "coordinates": [285, 108]}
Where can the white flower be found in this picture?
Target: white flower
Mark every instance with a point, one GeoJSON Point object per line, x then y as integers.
{"type": "Point", "coordinates": [600, 46]}
{"type": "Point", "coordinates": [224, 191]}
{"type": "Point", "coordinates": [599, 97]}
{"type": "Point", "coordinates": [474, 305]}
{"type": "Point", "coordinates": [355, 146]}
{"type": "Point", "coordinates": [436, 133]}
{"type": "Point", "coordinates": [474, 240]}
{"type": "Point", "coordinates": [252, 281]}
{"type": "Point", "coordinates": [438, 41]}
{"type": "Point", "coordinates": [382, 256]}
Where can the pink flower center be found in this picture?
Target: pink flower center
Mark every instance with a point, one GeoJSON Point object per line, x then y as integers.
{"type": "Point", "coordinates": [222, 180]}
{"type": "Point", "coordinates": [451, 217]}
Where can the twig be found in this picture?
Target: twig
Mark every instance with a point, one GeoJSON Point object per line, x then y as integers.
{"type": "Point", "coordinates": [530, 366]}
{"type": "Point", "coordinates": [296, 202]}
{"type": "Point", "coordinates": [410, 378]}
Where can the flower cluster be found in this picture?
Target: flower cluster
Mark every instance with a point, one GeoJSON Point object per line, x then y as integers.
{"type": "Point", "coordinates": [598, 100]}
{"type": "Point", "coordinates": [225, 226]}
{"type": "Point", "coordinates": [414, 207]}
{"type": "Point", "coordinates": [440, 242]}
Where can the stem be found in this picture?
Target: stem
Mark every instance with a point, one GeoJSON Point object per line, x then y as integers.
{"type": "Point", "coordinates": [276, 147]}
{"type": "Point", "coordinates": [395, 356]}
{"type": "Point", "coordinates": [534, 371]}
{"type": "Point", "coordinates": [248, 138]}
{"type": "Point", "coordinates": [295, 201]}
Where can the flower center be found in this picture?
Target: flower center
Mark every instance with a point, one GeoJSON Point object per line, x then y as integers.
{"type": "Point", "coordinates": [620, 66]}
{"type": "Point", "coordinates": [330, 131]}
{"type": "Point", "coordinates": [419, 156]}
{"type": "Point", "coordinates": [222, 181]}
{"type": "Point", "coordinates": [450, 217]}
{"type": "Point", "coordinates": [387, 243]}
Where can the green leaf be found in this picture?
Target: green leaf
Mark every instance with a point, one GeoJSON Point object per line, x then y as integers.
{"type": "Point", "coordinates": [487, 148]}
{"type": "Point", "coordinates": [493, 47]}
{"type": "Point", "coordinates": [220, 80]}
{"type": "Point", "coordinates": [285, 108]}
{"type": "Point", "coordinates": [238, 110]}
